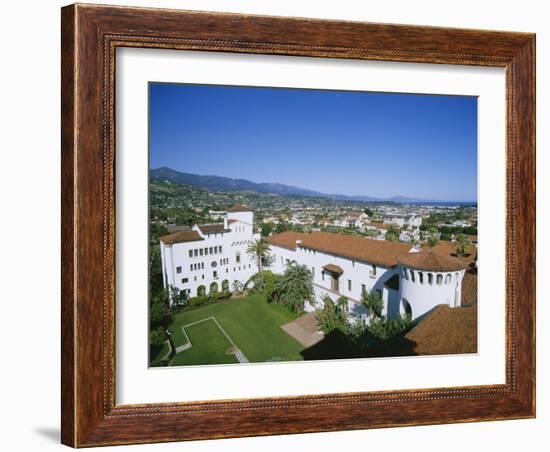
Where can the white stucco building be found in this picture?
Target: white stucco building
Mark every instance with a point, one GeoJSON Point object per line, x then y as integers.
{"type": "Point", "coordinates": [410, 281]}
{"type": "Point", "coordinates": [210, 257]}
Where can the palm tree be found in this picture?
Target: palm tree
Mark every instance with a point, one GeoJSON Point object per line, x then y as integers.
{"type": "Point", "coordinates": [461, 245]}
{"type": "Point", "coordinates": [392, 235]}
{"type": "Point", "coordinates": [432, 240]}
{"type": "Point", "coordinates": [373, 302]}
{"type": "Point", "coordinates": [296, 286]}
{"type": "Point", "coordinates": [259, 249]}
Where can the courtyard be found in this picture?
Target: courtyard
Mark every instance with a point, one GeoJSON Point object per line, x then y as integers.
{"type": "Point", "coordinates": [233, 331]}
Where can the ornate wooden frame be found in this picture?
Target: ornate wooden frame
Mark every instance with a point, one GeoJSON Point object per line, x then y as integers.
{"type": "Point", "coordinates": [90, 35]}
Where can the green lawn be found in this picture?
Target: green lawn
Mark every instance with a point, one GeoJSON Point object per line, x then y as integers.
{"type": "Point", "coordinates": [209, 346]}
{"type": "Point", "coordinates": [251, 323]}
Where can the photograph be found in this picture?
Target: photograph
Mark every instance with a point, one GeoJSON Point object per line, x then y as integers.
{"type": "Point", "coordinates": [290, 224]}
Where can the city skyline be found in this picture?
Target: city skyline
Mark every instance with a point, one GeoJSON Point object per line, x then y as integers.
{"type": "Point", "coordinates": [379, 145]}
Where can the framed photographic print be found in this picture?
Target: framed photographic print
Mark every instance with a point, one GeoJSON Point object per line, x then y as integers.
{"type": "Point", "coordinates": [279, 225]}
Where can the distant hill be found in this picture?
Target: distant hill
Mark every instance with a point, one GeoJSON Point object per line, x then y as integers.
{"type": "Point", "coordinates": [220, 183]}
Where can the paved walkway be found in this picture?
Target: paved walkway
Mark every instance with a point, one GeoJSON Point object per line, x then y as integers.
{"type": "Point", "coordinates": [167, 354]}
{"type": "Point", "coordinates": [304, 329]}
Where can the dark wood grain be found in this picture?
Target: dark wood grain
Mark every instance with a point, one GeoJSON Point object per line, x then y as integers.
{"type": "Point", "coordinates": [90, 36]}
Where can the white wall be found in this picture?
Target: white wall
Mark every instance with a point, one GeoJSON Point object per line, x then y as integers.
{"type": "Point", "coordinates": [232, 243]}
{"type": "Point", "coordinates": [30, 189]}
{"type": "Point", "coordinates": [423, 296]}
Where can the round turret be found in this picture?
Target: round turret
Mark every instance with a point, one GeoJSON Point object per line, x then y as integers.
{"type": "Point", "coordinates": [428, 279]}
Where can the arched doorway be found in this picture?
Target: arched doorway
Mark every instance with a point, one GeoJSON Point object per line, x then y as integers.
{"type": "Point", "coordinates": [201, 291]}
{"type": "Point", "coordinates": [214, 287]}
{"type": "Point", "coordinates": [225, 284]}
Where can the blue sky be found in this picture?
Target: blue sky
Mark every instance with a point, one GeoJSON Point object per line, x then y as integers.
{"type": "Point", "coordinates": [340, 142]}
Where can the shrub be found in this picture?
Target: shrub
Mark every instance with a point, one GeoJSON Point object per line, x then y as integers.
{"type": "Point", "coordinates": [384, 329]}
{"type": "Point", "coordinates": [157, 336]}
{"type": "Point", "coordinates": [333, 316]}
{"type": "Point", "coordinates": [330, 320]}
{"type": "Point", "coordinates": [198, 300]}
{"type": "Point", "coordinates": [221, 295]}
{"type": "Point", "coordinates": [271, 285]}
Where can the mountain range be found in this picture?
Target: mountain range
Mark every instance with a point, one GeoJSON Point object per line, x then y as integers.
{"type": "Point", "coordinates": [220, 183]}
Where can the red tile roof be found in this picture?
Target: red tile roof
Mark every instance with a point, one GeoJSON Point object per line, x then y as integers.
{"type": "Point", "coordinates": [378, 252]}
{"type": "Point", "coordinates": [214, 228]}
{"type": "Point", "coordinates": [286, 239]}
{"type": "Point", "coordinates": [180, 237]}
{"type": "Point", "coordinates": [448, 249]}
{"type": "Point", "coordinates": [469, 289]}
{"type": "Point", "coordinates": [239, 208]}
{"type": "Point", "coordinates": [446, 331]}
{"type": "Point", "coordinates": [333, 268]}
{"type": "Point", "coordinates": [431, 260]}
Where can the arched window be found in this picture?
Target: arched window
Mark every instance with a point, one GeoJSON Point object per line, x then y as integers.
{"type": "Point", "coordinates": [439, 279]}
{"type": "Point", "coordinates": [214, 287]}
{"type": "Point", "coordinates": [421, 277]}
{"type": "Point", "coordinates": [447, 279]}
{"type": "Point", "coordinates": [430, 278]}
{"type": "Point", "coordinates": [412, 276]}
{"type": "Point", "coordinates": [405, 308]}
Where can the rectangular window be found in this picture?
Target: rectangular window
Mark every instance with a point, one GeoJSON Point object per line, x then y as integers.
{"type": "Point", "coordinates": [220, 248]}
{"type": "Point", "coordinates": [238, 258]}
{"type": "Point", "coordinates": [349, 284]}
{"type": "Point", "coordinates": [201, 251]}
{"type": "Point", "coordinates": [191, 267]}
{"type": "Point", "coordinates": [178, 269]}
{"type": "Point", "coordinates": [211, 250]}
{"type": "Point", "coordinates": [215, 274]}
{"type": "Point", "coordinates": [323, 276]}
{"type": "Point", "coordinates": [363, 289]}
{"type": "Point", "coordinates": [185, 280]}
{"type": "Point", "coordinates": [313, 272]}
{"type": "Point", "coordinates": [196, 252]}
{"type": "Point", "coordinates": [206, 251]}
{"type": "Point", "coordinates": [202, 265]}
{"type": "Point", "coordinates": [190, 253]}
